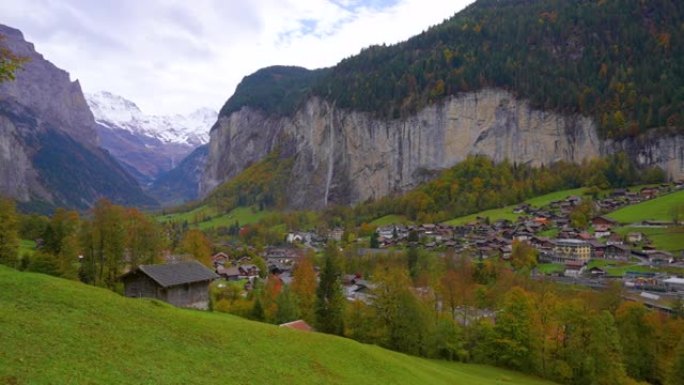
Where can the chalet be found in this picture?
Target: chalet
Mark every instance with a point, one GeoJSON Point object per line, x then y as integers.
{"type": "Point", "coordinates": [614, 239]}
{"type": "Point", "coordinates": [220, 258]}
{"type": "Point", "coordinates": [614, 251]}
{"type": "Point", "coordinates": [230, 273]}
{"type": "Point", "coordinates": [603, 221]}
{"type": "Point", "coordinates": [596, 272]}
{"type": "Point", "coordinates": [660, 258]}
{"type": "Point", "coordinates": [183, 284]}
{"type": "Point", "coordinates": [635, 237]}
{"type": "Point", "coordinates": [574, 269]}
{"type": "Point", "coordinates": [649, 192]}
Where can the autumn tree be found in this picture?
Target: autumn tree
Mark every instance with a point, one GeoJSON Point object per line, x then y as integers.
{"type": "Point", "coordinates": [103, 241]}
{"type": "Point", "coordinates": [605, 351]}
{"type": "Point", "coordinates": [329, 297]}
{"type": "Point", "coordinates": [60, 239]}
{"type": "Point", "coordinates": [9, 233]}
{"type": "Point", "coordinates": [197, 244]}
{"type": "Point", "coordinates": [144, 239]}
{"type": "Point", "coordinates": [457, 288]}
{"type": "Point", "coordinates": [400, 314]}
{"type": "Point", "coordinates": [516, 341]}
{"type": "Point", "coordinates": [523, 255]}
{"type": "Point", "coordinates": [638, 338]}
{"type": "Point", "coordinates": [304, 288]}
{"type": "Point", "coordinates": [676, 374]}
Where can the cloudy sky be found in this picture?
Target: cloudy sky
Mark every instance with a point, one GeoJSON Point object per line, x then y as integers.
{"type": "Point", "coordinates": [174, 56]}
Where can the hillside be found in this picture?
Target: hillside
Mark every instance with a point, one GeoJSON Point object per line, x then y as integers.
{"type": "Point", "coordinates": [530, 82]}
{"type": "Point", "coordinates": [80, 334]}
{"type": "Point", "coordinates": [599, 59]}
{"type": "Point", "coordinates": [658, 209]}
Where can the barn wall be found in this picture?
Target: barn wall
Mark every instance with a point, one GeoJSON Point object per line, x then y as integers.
{"type": "Point", "coordinates": [140, 285]}
{"type": "Point", "coordinates": [195, 295]}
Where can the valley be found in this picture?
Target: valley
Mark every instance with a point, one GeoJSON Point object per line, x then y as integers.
{"type": "Point", "coordinates": [498, 199]}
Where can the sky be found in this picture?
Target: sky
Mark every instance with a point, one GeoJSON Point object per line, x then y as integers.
{"type": "Point", "coordinates": [175, 56]}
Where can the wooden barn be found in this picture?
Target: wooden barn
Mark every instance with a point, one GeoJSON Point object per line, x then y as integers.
{"type": "Point", "coordinates": [183, 284]}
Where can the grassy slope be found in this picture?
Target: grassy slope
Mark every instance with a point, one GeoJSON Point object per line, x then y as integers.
{"type": "Point", "coordinates": [654, 209]}
{"type": "Point", "coordinates": [390, 220]}
{"type": "Point", "coordinates": [57, 331]}
{"type": "Point", "coordinates": [507, 212]}
{"type": "Point", "coordinates": [243, 215]}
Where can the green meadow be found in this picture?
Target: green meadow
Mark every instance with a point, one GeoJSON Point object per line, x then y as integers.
{"type": "Point", "coordinates": [55, 331]}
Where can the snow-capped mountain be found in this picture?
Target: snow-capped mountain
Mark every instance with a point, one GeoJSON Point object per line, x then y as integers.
{"type": "Point", "coordinates": [147, 145]}
{"type": "Point", "coordinates": [119, 113]}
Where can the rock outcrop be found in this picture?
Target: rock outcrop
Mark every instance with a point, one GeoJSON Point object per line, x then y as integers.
{"type": "Point", "coordinates": [346, 156]}
{"type": "Point", "coordinates": [49, 154]}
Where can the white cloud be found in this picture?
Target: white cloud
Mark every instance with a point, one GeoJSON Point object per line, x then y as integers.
{"type": "Point", "coordinates": [176, 56]}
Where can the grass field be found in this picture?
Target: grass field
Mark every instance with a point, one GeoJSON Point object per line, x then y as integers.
{"type": "Point", "coordinates": [667, 238]}
{"type": "Point", "coordinates": [550, 268]}
{"type": "Point", "coordinates": [55, 331]}
{"type": "Point", "coordinates": [205, 217]}
{"type": "Point", "coordinates": [390, 220]}
{"type": "Point", "coordinates": [507, 212]}
{"type": "Point", "coordinates": [27, 247]}
{"type": "Point", "coordinates": [658, 209]}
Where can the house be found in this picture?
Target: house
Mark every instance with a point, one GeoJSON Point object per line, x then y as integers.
{"type": "Point", "coordinates": [230, 273]}
{"type": "Point", "coordinates": [649, 192]}
{"type": "Point", "coordinates": [220, 258]}
{"type": "Point", "coordinates": [660, 258]}
{"type": "Point", "coordinates": [182, 284]}
{"type": "Point", "coordinates": [603, 221]}
{"type": "Point", "coordinates": [574, 269]}
{"type": "Point", "coordinates": [571, 250]}
{"type": "Point", "coordinates": [674, 284]}
{"type": "Point", "coordinates": [635, 237]}
{"type": "Point", "coordinates": [298, 325]}
{"type": "Point", "coordinates": [614, 251]}
{"type": "Point", "coordinates": [614, 239]}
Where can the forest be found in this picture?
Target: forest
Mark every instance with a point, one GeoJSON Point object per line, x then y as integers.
{"type": "Point", "coordinates": [619, 62]}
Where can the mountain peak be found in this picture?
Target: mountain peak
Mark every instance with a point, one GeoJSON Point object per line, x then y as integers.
{"type": "Point", "coordinates": [115, 111]}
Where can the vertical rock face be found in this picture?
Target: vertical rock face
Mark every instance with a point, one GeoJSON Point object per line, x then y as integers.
{"type": "Point", "coordinates": [47, 91]}
{"type": "Point", "coordinates": [346, 157]}
{"type": "Point", "coordinates": [49, 153]}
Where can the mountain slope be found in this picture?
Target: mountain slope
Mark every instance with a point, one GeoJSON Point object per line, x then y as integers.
{"type": "Point", "coordinates": [181, 184]}
{"type": "Point", "coordinates": [534, 82]}
{"type": "Point", "coordinates": [49, 154]}
{"type": "Point", "coordinates": [149, 144]}
{"type": "Point", "coordinates": [58, 331]}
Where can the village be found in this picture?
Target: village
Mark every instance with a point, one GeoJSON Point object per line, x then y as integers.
{"type": "Point", "coordinates": [564, 253]}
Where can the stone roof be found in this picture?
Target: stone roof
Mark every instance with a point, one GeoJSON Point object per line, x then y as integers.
{"type": "Point", "coordinates": [173, 274]}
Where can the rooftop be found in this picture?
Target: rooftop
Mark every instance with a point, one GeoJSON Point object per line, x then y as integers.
{"type": "Point", "coordinates": [172, 274]}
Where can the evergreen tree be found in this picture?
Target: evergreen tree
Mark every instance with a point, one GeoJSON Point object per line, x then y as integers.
{"type": "Point", "coordinates": [287, 307]}
{"type": "Point", "coordinates": [374, 243]}
{"type": "Point", "coordinates": [329, 296]}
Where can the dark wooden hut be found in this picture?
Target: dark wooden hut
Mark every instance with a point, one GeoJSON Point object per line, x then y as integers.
{"type": "Point", "coordinates": [183, 284]}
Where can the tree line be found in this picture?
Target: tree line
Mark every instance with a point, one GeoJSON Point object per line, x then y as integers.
{"type": "Point", "coordinates": [95, 248]}
{"type": "Point", "coordinates": [451, 307]}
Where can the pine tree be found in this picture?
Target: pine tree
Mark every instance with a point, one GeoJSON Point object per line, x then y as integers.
{"type": "Point", "coordinates": [329, 296]}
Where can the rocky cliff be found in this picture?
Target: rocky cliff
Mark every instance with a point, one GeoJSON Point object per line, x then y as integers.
{"type": "Point", "coordinates": [345, 156]}
{"type": "Point", "coordinates": [49, 152]}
